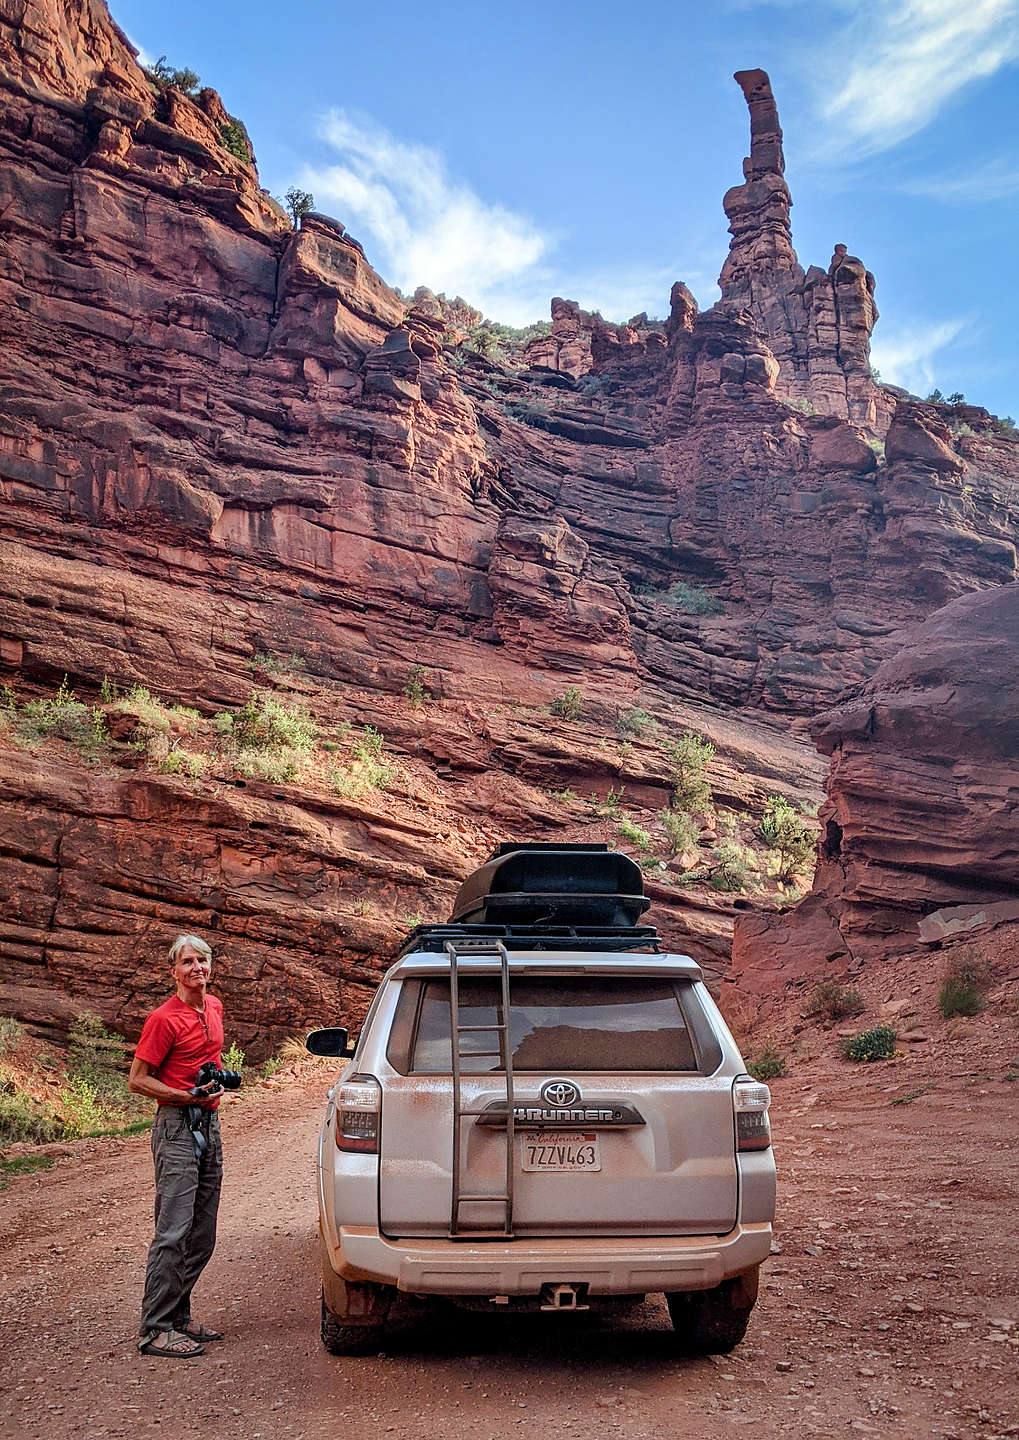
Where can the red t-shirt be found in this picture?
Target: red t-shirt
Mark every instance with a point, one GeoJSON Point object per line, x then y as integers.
{"type": "Point", "coordinates": [175, 1042]}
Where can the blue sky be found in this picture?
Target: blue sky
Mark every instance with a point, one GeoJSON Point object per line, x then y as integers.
{"type": "Point", "coordinates": [550, 147]}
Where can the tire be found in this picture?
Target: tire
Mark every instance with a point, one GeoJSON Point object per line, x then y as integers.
{"type": "Point", "coordinates": [713, 1321]}
{"type": "Point", "coordinates": [341, 1339]}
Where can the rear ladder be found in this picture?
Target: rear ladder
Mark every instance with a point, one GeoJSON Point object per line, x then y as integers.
{"type": "Point", "coordinates": [457, 949]}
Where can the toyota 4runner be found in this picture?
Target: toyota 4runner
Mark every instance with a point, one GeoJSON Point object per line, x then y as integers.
{"type": "Point", "coordinates": [543, 1111]}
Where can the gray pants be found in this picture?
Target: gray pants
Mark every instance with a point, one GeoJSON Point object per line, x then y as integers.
{"type": "Point", "coordinates": [187, 1201]}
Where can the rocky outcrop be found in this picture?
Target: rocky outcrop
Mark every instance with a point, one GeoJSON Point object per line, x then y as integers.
{"type": "Point", "coordinates": [817, 323]}
{"type": "Point", "coordinates": [922, 814]}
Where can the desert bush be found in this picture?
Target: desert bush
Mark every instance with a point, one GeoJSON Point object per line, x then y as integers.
{"type": "Point", "coordinates": [233, 136]}
{"type": "Point", "coordinates": [233, 1057]}
{"type": "Point", "coordinates": [690, 599]}
{"type": "Point", "coordinates": [832, 1001]}
{"type": "Point", "coordinates": [680, 829]}
{"type": "Point", "coordinates": [275, 767]}
{"type": "Point", "coordinates": [22, 1118]}
{"type": "Point", "coordinates": [185, 762]}
{"type": "Point", "coordinates": [689, 757]}
{"type": "Point", "coordinates": [83, 1111]}
{"type": "Point", "coordinates": [963, 983]}
{"type": "Point", "coordinates": [766, 1064]}
{"type": "Point", "coordinates": [65, 718]}
{"type": "Point", "coordinates": [186, 81]}
{"type": "Point", "coordinates": [569, 705]}
{"type": "Point", "coordinates": [729, 867]}
{"type": "Point", "coordinates": [369, 767]}
{"type": "Point", "coordinates": [270, 664]}
{"type": "Point", "coordinates": [95, 1057]}
{"type": "Point", "coordinates": [266, 722]}
{"type": "Point", "coordinates": [634, 834]}
{"type": "Point", "coordinates": [609, 807]}
{"type": "Point", "coordinates": [634, 721]}
{"type": "Point", "coordinates": [876, 1044]}
{"type": "Point", "coordinates": [11, 1034]}
{"type": "Point", "coordinates": [414, 687]}
{"type": "Point", "coordinates": [785, 831]}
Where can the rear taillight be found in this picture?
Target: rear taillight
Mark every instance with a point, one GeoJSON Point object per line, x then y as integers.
{"type": "Point", "coordinates": [358, 1113]}
{"type": "Point", "coordinates": [750, 1101]}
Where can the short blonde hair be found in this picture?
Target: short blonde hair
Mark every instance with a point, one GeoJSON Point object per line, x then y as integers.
{"type": "Point", "coordinates": [196, 943]}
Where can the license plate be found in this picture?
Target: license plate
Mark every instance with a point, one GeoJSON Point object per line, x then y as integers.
{"type": "Point", "coordinates": [559, 1151]}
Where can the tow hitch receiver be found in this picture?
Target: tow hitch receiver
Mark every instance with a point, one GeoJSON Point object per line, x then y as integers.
{"type": "Point", "coordinates": [564, 1297]}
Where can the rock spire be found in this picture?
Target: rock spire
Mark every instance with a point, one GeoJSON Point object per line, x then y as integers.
{"type": "Point", "coordinates": [817, 323]}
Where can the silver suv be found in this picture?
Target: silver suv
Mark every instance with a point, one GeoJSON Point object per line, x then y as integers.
{"type": "Point", "coordinates": [543, 1111]}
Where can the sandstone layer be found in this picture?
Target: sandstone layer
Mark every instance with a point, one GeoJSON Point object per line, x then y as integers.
{"type": "Point", "coordinates": [223, 439]}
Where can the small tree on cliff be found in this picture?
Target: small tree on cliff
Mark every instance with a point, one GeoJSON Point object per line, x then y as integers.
{"type": "Point", "coordinates": [298, 203]}
{"type": "Point", "coordinates": [186, 81]}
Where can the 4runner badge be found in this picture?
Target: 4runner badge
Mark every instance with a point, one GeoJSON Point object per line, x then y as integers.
{"type": "Point", "coordinates": [560, 1092]}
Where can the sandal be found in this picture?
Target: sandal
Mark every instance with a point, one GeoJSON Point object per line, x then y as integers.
{"type": "Point", "coordinates": [174, 1344]}
{"type": "Point", "coordinates": [199, 1332]}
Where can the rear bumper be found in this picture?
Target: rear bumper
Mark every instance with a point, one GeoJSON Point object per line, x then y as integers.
{"type": "Point", "coordinates": [608, 1266]}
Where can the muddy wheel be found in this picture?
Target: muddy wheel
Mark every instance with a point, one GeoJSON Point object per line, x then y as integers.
{"type": "Point", "coordinates": [713, 1321]}
{"type": "Point", "coordinates": [340, 1339]}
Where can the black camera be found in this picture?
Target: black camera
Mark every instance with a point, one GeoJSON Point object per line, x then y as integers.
{"type": "Point", "coordinates": [211, 1077]}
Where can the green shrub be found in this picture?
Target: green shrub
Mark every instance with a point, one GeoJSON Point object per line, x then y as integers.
{"type": "Point", "coordinates": [232, 1057]}
{"type": "Point", "coordinates": [65, 718]}
{"type": "Point", "coordinates": [833, 1001]}
{"type": "Point", "coordinates": [962, 987]}
{"type": "Point", "coordinates": [609, 807]}
{"type": "Point", "coordinates": [275, 767]}
{"type": "Point", "coordinates": [271, 664]}
{"type": "Point", "coordinates": [788, 834]}
{"type": "Point", "coordinates": [23, 1165]}
{"type": "Point", "coordinates": [690, 599]}
{"type": "Point", "coordinates": [84, 1112]}
{"type": "Point", "coordinates": [876, 1044]}
{"type": "Point", "coordinates": [266, 722]}
{"type": "Point", "coordinates": [569, 705]}
{"type": "Point", "coordinates": [23, 1118]}
{"type": "Point", "coordinates": [681, 830]}
{"type": "Point", "coordinates": [368, 769]}
{"type": "Point", "coordinates": [233, 136]}
{"type": "Point", "coordinates": [185, 762]}
{"type": "Point", "coordinates": [689, 757]}
{"type": "Point", "coordinates": [186, 81]}
{"type": "Point", "coordinates": [11, 1034]}
{"type": "Point", "coordinates": [634, 834]}
{"type": "Point", "coordinates": [633, 722]}
{"type": "Point", "coordinates": [96, 1057]}
{"type": "Point", "coordinates": [767, 1064]}
{"type": "Point", "coordinates": [108, 691]}
{"type": "Point", "coordinates": [729, 867]}
{"type": "Point", "coordinates": [414, 688]}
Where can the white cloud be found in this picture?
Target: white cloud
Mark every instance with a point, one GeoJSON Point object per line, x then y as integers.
{"type": "Point", "coordinates": [899, 61]}
{"type": "Point", "coordinates": [906, 357]}
{"type": "Point", "coordinates": [994, 180]}
{"type": "Point", "coordinates": [424, 227]}
{"type": "Point", "coordinates": [430, 229]}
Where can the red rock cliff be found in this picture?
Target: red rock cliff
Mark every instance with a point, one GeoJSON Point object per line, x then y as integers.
{"type": "Point", "coordinates": [221, 439]}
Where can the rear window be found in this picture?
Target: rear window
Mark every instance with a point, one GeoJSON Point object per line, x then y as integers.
{"type": "Point", "coordinates": [607, 1023]}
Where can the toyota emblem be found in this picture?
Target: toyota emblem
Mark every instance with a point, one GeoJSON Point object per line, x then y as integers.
{"type": "Point", "coordinates": [559, 1093]}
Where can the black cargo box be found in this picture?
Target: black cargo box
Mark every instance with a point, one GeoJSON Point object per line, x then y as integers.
{"type": "Point", "coordinates": [536, 884]}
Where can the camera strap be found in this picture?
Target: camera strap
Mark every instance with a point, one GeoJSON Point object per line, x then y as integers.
{"type": "Point", "coordinates": [197, 1122]}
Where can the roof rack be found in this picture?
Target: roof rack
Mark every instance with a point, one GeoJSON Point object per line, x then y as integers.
{"type": "Point", "coordinates": [534, 937]}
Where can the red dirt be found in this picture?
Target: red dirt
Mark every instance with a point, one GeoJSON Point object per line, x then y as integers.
{"type": "Point", "coordinates": [890, 1305]}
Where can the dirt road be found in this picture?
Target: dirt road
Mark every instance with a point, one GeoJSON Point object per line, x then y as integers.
{"type": "Point", "coordinates": [890, 1307]}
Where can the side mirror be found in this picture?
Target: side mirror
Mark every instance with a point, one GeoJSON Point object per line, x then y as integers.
{"type": "Point", "coordinates": [332, 1040]}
